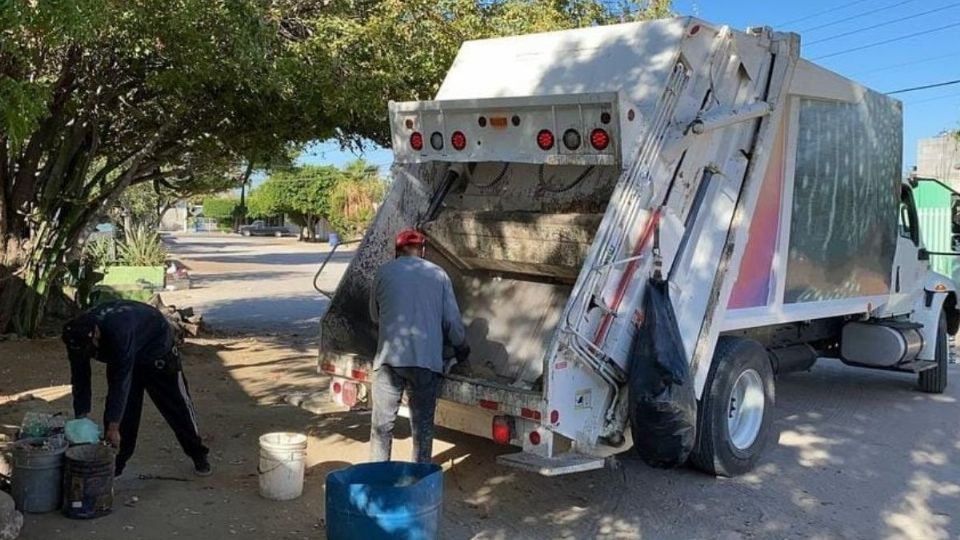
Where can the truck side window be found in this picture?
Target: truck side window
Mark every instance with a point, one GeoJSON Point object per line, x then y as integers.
{"type": "Point", "coordinates": [909, 222]}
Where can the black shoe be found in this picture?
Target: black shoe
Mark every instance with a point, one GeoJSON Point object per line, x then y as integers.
{"type": "Point", "coordinates": [201, 466]}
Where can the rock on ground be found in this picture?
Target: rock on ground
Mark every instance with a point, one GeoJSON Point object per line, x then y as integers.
{"type": "Point", "coordinates": [10, 520]}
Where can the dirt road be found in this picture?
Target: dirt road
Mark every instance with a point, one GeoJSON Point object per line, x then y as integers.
{"type": "Point", "coordinates": [259, 284]}
{"type": "Point", "coordinates": [861, 455]}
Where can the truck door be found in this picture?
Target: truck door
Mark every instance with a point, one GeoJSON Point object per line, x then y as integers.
{"type": "Point", "coordinates": [911, 263]}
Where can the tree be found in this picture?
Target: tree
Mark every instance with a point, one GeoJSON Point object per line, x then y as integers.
{"type": "Point", "coordinates": [100, 95]}
{"type": "Point", "coordinates": [220, 208]}
{"type": "Point", "coordinates": [354, 199]}
{"type": "Point", "coordinates": [301, 193]}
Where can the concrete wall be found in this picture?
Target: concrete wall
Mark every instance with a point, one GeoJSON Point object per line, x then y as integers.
{"type": "Point", "coordinates": [939, 157]}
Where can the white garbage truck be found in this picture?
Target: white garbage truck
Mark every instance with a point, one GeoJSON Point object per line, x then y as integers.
{"type": "Point", "coordinates": [556, 174]}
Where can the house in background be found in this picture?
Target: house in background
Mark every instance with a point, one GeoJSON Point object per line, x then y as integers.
{"type": "Point", "coordinates": [939, 157]}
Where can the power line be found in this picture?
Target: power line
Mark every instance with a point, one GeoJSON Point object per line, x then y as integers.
{"type": "Point", "coordinates": [857, 16]}
{"type": "Point", "coordinates": [887, 23]}
{"type": "Point", "coordinates": [825, 12]}
{"type": "Point", "coordinates": [924, 87]}
{"type": "Point", "coordinates": [886, 41]}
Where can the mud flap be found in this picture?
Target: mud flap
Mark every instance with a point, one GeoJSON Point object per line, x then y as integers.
{"type": "Point", "coordinates": [663, 406]}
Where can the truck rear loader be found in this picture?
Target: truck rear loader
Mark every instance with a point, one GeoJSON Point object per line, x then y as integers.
{"type": "Point", "coordinates": [557, 174]}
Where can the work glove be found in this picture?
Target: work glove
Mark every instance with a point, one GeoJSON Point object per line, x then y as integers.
{"type": "Point", "coordinates": [462, 352]}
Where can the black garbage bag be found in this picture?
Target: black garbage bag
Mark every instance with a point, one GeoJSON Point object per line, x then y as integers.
{"type": "Point", "coordinates": [663, 406]}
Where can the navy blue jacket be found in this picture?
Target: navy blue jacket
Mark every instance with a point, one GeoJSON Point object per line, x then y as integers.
{"type": "Point", "coordinates": [131, 334]}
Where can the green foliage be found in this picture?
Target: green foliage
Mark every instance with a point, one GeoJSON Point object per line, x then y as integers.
{"type": "Point", "coordinates": [142, 247]}
{"type": "Point", "coordinates": [100, 95]}
{"type": "Point", "coordinates": [301, 191]}
{"type": "Point", "coordinates": [101, 252]}
{"type": "Point", "coordinates": [139, 204]}
{"type": "Point", "coordinates": [220, 208]}
{"type": "Point", "coordinates": [354, 199]}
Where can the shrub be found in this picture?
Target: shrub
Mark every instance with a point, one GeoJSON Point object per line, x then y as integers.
{"type": "Point", "coordinates": [142, 247]}
{"type": "Point", "coordinates": [100, 251]}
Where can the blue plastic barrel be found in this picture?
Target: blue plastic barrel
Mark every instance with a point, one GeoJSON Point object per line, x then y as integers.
{"type": "Point", "coordinates": [333, 239]}
{"type": "Point", "coordinates": [391, 499]}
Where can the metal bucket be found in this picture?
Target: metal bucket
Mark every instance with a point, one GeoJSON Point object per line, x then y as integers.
{"type": "Point", "coordinates": [88, 481]}
{"type": "Point", "coordinates": [37, 473]}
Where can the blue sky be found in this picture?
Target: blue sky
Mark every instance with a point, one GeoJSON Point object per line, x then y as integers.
{"type": "Point", "coordinates": [929, 58]}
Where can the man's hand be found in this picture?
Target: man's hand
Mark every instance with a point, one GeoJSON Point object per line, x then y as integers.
{"type": "Point", "coordinates": [462, 353]}
{"type": "Point", "coordinates": [112, 436]}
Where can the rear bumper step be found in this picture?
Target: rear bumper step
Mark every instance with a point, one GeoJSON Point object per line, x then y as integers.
{"type": "Point", "coordinates": [570, 462]}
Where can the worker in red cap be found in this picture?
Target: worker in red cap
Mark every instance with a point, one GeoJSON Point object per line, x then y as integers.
{"type": "Point", "coordinates": [413, 303]}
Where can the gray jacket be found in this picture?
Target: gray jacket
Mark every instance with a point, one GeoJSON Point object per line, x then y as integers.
{"type": "Point", "coordinates": [412, 300]}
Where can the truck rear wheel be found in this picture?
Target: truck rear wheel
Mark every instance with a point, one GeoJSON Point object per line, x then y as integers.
{"type": "Point", "coordinates": [934, 380]}
{"type": "Point", "coordinates": [734, 420]}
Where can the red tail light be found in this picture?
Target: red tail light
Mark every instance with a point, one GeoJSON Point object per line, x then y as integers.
{"type": "Point", "coordinates": [502, 429]}
{"type": "Point", "coordinates": [545, 139]}
{"type": "Point", "coordinates": [599, 139]}
{"type": "Point", "coordinates": [416, 140]}
{"type": "Point", "coordinates": [530, 413]}
{"type": "Point", "coordinates": [458, 140]}
{"type": "Point", "coordinates": [337, 388]}
{"type": "Point", "coordinates": [534, 438]}
{"type": "Point", "coordinates": [350, 394]}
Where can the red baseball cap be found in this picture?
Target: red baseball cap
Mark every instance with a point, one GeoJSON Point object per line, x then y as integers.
{"type": "Point", "coordinates": [410, 237]}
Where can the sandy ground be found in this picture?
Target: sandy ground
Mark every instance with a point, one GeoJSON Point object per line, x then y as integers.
{"type": "Point", "coordinates": [861, 454]}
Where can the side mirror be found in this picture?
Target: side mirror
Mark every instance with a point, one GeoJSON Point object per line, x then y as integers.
{"type": "Point", "coordinates": [923, 254]}
{"type": "Point", "coordinates": [955, 242]}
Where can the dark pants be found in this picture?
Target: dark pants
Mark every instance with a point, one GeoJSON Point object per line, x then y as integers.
{"type": "Point", "coordinates": [422, 387]}
{"type": "Point", "coordinates": [168, 390]}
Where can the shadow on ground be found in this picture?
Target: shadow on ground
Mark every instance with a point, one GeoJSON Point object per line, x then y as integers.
{"type": "Point", "coordinates": [861, 455]}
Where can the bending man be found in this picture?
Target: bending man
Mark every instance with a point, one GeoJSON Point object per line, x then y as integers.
{"type": "Point", "coordinates": [137, 344]}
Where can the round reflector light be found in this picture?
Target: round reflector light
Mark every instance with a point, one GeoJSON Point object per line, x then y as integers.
{"type": "Point", "coordinates": [554, 416]}
{"type": "Point", "coordinates": [416, 140]}
{"type": "Point", "coordinates": [458, 140]}
{"type": "Point", "coordinates": [571, 139]}
{"type": "Point", "coordinates": [534, 438]}
{"type": "Point", "coordinates": [337, 387]}
{"type": "Point", "coordinates": [599, 139]}
{"type": "Point", "coordinates": [436, 140]}
{"type": "Point", "coordinates": [545, 139]}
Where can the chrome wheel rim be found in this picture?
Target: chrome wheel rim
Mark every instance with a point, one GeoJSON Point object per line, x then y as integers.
{"type": "Point", "coordinates": [745, 410]}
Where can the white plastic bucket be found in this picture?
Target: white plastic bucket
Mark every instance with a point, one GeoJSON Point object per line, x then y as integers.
{"type": "Point", "coordinates": [282, 463]}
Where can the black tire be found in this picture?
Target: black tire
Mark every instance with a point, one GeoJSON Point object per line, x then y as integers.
{"type": "Point", "coordinates": [934, 380]}
{"type": "Point", "coordinates": [715, 451]}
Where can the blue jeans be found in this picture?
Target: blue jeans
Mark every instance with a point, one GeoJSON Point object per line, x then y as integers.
{"type": "Point", "coordinates": [422, 386]}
